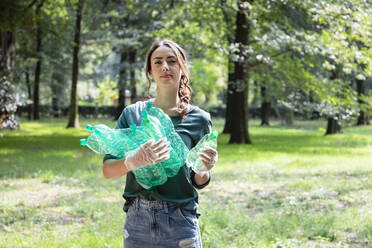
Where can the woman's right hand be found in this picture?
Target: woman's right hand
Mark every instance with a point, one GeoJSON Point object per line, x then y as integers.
{"type": "Point", "coordinates": [148, 153]}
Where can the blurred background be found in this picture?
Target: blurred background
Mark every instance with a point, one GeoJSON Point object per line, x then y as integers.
{"type": "Point", "coordinates": [262, 59]}
{"type": "Point", "coordinates": [278, 74]}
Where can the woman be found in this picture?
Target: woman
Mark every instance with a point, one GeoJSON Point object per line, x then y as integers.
{"type": "Point", "coordinates": [165, 215]}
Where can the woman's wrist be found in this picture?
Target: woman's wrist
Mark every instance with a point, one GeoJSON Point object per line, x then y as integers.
{"type": "Point", "coordinates": [127, 165]}
{"type": "Point", "coordinates": [201, 177]}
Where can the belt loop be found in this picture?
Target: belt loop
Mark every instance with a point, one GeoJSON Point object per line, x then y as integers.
{"type": "Point", "coordinates": [137, 203]}
{"type": "Point", "coordinates": [165, 206]}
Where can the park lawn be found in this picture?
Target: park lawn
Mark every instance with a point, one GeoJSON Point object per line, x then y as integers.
{"type": "Point", "coordinates": [294, 187]}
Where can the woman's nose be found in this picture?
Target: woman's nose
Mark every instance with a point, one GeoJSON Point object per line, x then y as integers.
{"type": "Point", "coordinates": [165, 66]}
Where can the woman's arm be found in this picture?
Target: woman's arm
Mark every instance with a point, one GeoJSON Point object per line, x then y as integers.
{"type": "Point", "coordinates": [209, 158]}
{"type": "Point", "coordinates": [114, 168]}
{"type": "Point", "coordinates": [201, 179]}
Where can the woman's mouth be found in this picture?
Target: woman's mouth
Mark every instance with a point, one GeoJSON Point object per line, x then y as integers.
{"type": "Point", "coordinates": [166, 76]}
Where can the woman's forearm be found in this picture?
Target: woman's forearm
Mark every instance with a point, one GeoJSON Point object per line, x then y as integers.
{"type": "Point", "coordinates": [114, 168]}
{"type": "Point", "coordinates": [201, 179]}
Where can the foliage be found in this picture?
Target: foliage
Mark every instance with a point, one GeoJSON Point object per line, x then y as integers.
{"type": "Point", "coordinates": [106, 92]}
{"type": "Point", "coordinates": [8, 104]}
{"type": "Point", "coordinates": [295, 47]}
{"type": "Point", "coordinates": [346, 47]}
{"type": "Point", "coordinates": [205, 82]}
{"type": "Point", "coordinates": [308, 53]}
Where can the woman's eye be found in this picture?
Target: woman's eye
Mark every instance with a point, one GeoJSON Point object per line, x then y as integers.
{"type": "Point", "coordinates": [157, 62]}
{"type": "Point", "coordinates": [172, 61]}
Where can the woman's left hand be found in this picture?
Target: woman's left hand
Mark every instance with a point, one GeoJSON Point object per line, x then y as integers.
{"type": "Point", "coordinates": [209, 158]}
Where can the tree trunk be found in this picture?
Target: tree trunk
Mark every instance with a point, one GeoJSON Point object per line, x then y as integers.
{"type": "Point", "coordinates": [132, 65]}
{"type": "Point", "coordinates": [29, 91]}
{"type": "Point", "coordinates": [36, 114]}
{"type": "Point", "coordinates": [256, 92]}
{"type": "Point", "coordinates": [265, 108]}
{"type": "Point", "coordinates": [229, 94]}
{"type": "Point", "coordinates": [122, 84]}
{"type": "Point", "coordinates": [362, 118]}
{"type": "Point", "coordinates": [239, 125]}
{"type": "Point", "coordinates": [289, 118]}
{"type": "Point", "coordinates": [231, 75]}
{"type": "Point", "coordinates": [35, 95]}
{"type": "Point", "coordinates": [55, 107]}
{"type": "Point", "coordinates": [7, 51]}
{"type": "Point", "coordinates": [333, 126]}
{"type": "Point", "coordinates": [56, 89]}
{"type": "Point", "coordinates": [7, 94]}
{"type": "Point", "coordinates": [73, 118]}
{"type": "Point", "coordinates": [333, 123]}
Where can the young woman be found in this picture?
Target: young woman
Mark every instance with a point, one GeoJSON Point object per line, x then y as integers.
{"type": "Point", "coordinates": [165, 215]}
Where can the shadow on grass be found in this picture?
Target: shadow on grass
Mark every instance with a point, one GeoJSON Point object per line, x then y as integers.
{"type": "Point", "coordinates": [305, 144]}
{"type": "Point", "coordinates": [23, 153]}
{"type": "Point", "coordinates": [23, 156]}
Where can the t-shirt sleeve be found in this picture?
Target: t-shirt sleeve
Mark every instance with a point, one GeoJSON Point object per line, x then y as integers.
{"type": "Point", "coordinates": [208, 125]}
{"type": "Point", "coordinates": [206, 129]}
{"type": "Point", "coordinates": [121, 124]}
{"type": "Point", "coordinates": [192, 174]}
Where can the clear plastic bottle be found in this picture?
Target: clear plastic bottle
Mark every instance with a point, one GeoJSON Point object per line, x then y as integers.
{"type": "Point", "coordinates": [104, 140]}
{"type": "Point", "coordinates": [152, 126]}
{"type": "Point", "coordinates": [179, 149]}
{"type": "Point", "coordinates": [155, 124]}
{"type": "Point", "coordinates": [208, 141]}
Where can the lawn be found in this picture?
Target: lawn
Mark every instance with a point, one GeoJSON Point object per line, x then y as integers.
{"type": "Point", "coordinates": [294, 187]}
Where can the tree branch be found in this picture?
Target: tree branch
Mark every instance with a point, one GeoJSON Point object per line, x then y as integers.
{"type": "Point", "coordinates": [272, 56]}
{"type": "Point", "coordinates": [31, 4]}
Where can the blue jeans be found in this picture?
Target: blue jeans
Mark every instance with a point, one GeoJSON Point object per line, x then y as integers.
{"type": "Point", "coordinates": [151, 224]}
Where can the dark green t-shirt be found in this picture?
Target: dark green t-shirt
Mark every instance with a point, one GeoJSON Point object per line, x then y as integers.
{"type": "Point", "coordinates": [180, 189]}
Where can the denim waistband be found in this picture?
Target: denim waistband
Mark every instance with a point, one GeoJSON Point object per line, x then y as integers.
{"type": "Point", "coordinates": [157, 204]}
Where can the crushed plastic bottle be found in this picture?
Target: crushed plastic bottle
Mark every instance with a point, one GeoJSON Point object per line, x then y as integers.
{"type": "Point", "coordinates": [208, 141]}
{"type": "Point", "coordinates": [179, 149]}
{"type": "Point", "coordinates": [118, 142]}
{"type": "Point", "coordinates": [152, 126]}
{"type": "Point", "coordinates": [105, 140]}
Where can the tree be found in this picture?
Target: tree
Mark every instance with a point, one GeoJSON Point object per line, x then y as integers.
{"type": "Point", "coordinates": [39, 60]}
{"type": "Point", "coordinates": [132, 24]}
{"type": "Point", "coordinates": [13, 14]}
{"type": "Point", "coordinates": [346, 41]}
{"type": "Point", "coordinates": [239, 89]}
{"type": "Point", "coordinates": [73, 120]}
{"type": "Point", "coordinates": [363, 117]}
{"type": "Point", "coordinates": [276, 28]}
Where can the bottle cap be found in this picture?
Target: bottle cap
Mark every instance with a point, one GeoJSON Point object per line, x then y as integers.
{"type": "Point", "coordinates": [89, 128]}
{"type": "Point", "coordinates": [214, 134]}
{"type": "Point", "coordinates": [150, 104]}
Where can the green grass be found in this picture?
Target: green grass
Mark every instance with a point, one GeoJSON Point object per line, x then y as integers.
{"type": "Point", "coordinates": [294, 187]}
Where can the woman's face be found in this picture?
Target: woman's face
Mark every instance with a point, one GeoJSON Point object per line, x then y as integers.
{"type": "Point", "coordinates": [165, 69]}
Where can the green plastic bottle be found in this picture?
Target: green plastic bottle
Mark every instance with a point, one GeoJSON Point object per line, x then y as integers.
{"type": "Point", "coordinates": [152, 126]}
{"type": "Point", "coordinates": [208, 141]}
{"type": "Point", "coordinates": [179, 149]}
{"type": "Point", "coordinates": [104, 140]}
{"type": "Point", "coordinates": [151, 175]}
{"type": "Point", "coordinates": [118, 142]}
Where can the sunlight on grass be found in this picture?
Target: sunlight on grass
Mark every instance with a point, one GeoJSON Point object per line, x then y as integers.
{"type": "Point", "coordinates": [294, 187]}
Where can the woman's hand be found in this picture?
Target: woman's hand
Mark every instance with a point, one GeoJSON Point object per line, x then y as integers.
{"type": "Point", "coordinates": [209, 158]}
{"type": "Point", "coordinates": [148, 154]}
